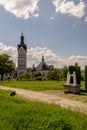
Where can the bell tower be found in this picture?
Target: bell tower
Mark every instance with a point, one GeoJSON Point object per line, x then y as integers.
{"type": "Point", "coordinates": [22, 56]}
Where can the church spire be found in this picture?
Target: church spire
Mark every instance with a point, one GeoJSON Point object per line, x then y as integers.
{"type": "Point", "coordinates": [42, 58]}
{"type": "Point", "coordinates": [22, 39]}
{"type": "Point", "coordinates": [22, 43]}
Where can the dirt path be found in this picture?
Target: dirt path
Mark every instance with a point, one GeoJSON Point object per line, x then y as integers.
{"type": "Point", "coordinates": [50, 99]}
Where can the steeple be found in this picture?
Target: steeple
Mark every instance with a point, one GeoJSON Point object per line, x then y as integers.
{"type": "Point", "coordinates": [22, 43]}
{"type": "Point", "coordinates": [22, 39]}
{"type": "Point", "coordinates": [42, 65]}
{"type": "Point", "coordinates": [42, 58]}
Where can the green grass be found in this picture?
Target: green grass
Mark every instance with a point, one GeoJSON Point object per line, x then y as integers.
{"type": "Point", "coordinates": [20, 114]}
{"type": "Point", "coordinates": [35, 85]}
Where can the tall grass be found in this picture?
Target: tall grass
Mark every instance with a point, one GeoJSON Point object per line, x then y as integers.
{"type": "Point", "coordinates": [20, 114]}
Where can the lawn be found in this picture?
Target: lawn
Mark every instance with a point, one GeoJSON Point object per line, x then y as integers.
{"type": "Point", "coordinates": [20, 114]}
{"type": "Point", "coordinates": [35, 85]}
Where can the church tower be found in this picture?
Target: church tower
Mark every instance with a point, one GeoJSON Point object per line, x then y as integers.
{"type": "Point", "coordinates": [22, 56]}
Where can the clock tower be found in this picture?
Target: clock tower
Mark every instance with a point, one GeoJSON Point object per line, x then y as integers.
{"type": "Point", "coordinates": [22, 56]}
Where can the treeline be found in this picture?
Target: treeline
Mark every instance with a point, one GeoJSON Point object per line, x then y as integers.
{"type": "Point", "coordinates": [8, 66]}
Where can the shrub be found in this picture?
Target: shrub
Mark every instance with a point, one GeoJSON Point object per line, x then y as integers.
{"type": "Point", "coordinates": [39, 78]}
{"type": "Point", "coordinates": [26, 76]}
{"type": "Point", "coordinates": [38, 74]}
{"type": "Point", "coordinates": [53, 75]}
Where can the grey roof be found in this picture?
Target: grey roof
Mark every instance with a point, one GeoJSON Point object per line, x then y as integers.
{"type": "Point", "coordinates": [42, 65]}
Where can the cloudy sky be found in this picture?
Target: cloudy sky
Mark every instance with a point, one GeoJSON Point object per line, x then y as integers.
{"type": "Point", "coordinates": [56, 29]}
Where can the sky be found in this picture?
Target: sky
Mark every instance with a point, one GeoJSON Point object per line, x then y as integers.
{"type": "Point", "coordinates": [56, 29]}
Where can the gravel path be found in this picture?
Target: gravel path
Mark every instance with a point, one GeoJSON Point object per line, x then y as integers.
{"type": "Point", "coordinates": [50, 99]}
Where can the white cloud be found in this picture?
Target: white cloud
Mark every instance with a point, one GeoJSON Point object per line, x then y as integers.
{"type": "Point", "coordinates": [34, 56]}
{"type": "Point", "coordinates": [69, 7]}
{"type": "Point", "coordinates": [86, 19]}
{"type": "Point", "coordinates": [21, 8]}
{"type": "Point", "coordinates": [81, 60]}
{"type": "Point", "coordinates": [52, 18]}
{"type": "Point", "coordinates": [36, 15]}
{"type": "Point", "coordinates": [11, 51]}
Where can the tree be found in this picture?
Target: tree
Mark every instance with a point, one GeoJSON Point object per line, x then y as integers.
{"type": "Point", "coordinates": [26, 76]}
{"type": "Point", "coordinates": [63, 72]}
{"type": "Point", "coordinates": [78, 73]}
{"type": "Point", "coordinates": [86, 77]}
{"type": "Point", "coordinates": [53, 74]}
{"type": "Point", "coordinates": [38, 75]}
{"type": "Point", "coordinates": [75, 68]}
{"type": "Point", "coordinates": [6, 65]}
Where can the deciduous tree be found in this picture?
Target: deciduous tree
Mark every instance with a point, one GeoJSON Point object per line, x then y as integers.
{"type": "Point", "coordinates": [6, 65]}
{"type": "Point", "coordinates": [86, 77]}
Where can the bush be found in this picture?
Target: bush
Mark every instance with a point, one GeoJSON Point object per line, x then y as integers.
{"type": "Point", "coordinates": [39, 78]}
{"type": "Point", "coordinates": [53, 75]}
{"type": "Point", "coordinates": [26, 76]}
{"type": "Point", "coordinates": [38, 74]}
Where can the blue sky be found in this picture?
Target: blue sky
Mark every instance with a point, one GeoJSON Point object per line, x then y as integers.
{"type": "Point", "coordinates": [55, 26]}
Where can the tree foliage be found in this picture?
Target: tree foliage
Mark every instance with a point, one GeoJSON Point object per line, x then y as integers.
{"type": "Point", "coordinates": [75, 68]}
{"type": "Point", "coordinates": [78, 73]}
{"type": "Point", "coordinates": [57, 74]}
{"type": "Point", "coordinates": [26, 76]}
{"type": "Point", "coordinates": [53, 74]}
{"type": "Point", "coordinates": [6, 65]}
{"type": "Point", "coordinates": [86, 77]}
{"type": "Point", "coordinates": [63, 73]}
{"type": "Point", "coordinates": [38, 76]}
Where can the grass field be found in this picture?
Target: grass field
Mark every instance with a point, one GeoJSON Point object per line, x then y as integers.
{"type": "Point", "coordinates": [20, 114]}
{"type": "Point", "coordinates": [35, 85]}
